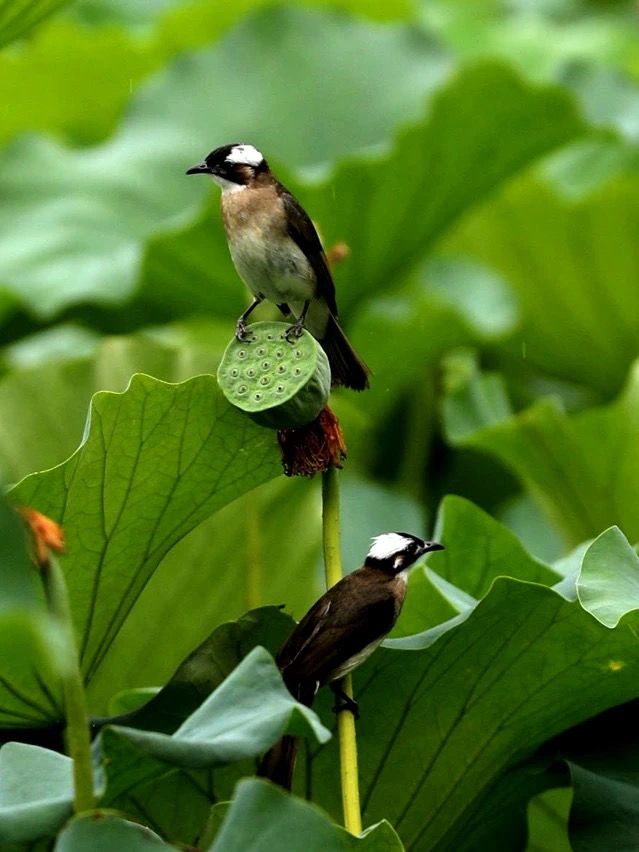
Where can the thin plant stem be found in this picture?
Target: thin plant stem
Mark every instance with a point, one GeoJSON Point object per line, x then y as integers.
{"type": "Point", "coordinates": [418, 438]}
{"type": "Point", "coordinates": [253, 551]}
{"type": "Point", "coordinates": [78, 738]}
{"type": "Point", "coordinates": [345, 719]}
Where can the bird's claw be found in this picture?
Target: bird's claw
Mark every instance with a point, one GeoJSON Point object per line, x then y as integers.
{"type": "Point", "coordinates": [241, 332]}
{"type": "Point", "coordinates": [294, 331]}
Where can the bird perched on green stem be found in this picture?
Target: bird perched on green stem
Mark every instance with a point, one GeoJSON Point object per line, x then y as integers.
{"type": "Point", "coordinates": [341, 631]}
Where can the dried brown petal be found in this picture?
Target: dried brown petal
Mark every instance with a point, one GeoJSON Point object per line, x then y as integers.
{"type": "Point", "coordinates": [307, 450]}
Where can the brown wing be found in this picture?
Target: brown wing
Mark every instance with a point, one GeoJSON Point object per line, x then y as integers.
{"type": "Point", "coordinates": [302, 231]}
{"type": "Point", "coordinates": [343, 622]}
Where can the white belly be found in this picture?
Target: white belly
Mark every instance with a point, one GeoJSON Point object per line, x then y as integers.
{"type": "Point", "coordinates": [274, 269]}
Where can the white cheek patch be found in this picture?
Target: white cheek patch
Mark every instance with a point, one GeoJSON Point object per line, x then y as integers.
{"type": "Point", "coordinates": [399, 561]}
{"type": "Point", "coordinates": [388, 544]}
{"type": "Point", "coordinates": [245, 155]}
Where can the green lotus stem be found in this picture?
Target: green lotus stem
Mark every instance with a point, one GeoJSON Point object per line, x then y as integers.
{"type": "Point", "coordinates": [345, 719]}
{"type": "Point", "coordinates": [253, 551]}
{"type": "Point", "coordinates": [77, 728]}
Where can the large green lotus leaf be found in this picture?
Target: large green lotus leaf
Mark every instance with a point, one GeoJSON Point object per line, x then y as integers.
{"type": "Point", "coordinates": [107, 57]}
{"type": "Point", "coordinates": [580, 468]}
{"type": "Point", "coordinates": [599, 759]}
{"type": "Point", "coordinates": [30, 692]}
{"type": "Point", "coordinates": [605, 812]}
{"type": "Point", "coordinates": [548, 821]}
{"type": "Point", "coordinates": [50, 400]}
{"type": "Point", "coordinates": [240, 719]}
{"type": "Point", "coordinates": [105, 832]}
{"type": "Point", "coordinates": [224, 91]}
{"type": "Point", "coordinates": [205, 668]}
{"type": "Point", "coordinates": [35, 81]}
{"type": "Point", "coordinates": [608, 582]}
{"type": "Point", "coordinates": [532, 527]}
{"type": "Point", "coordinates": [524, 665]}
{"type": "Point", "coordinates": [471, 399]}
{"type": "Point", "coordinates": [450, 304]}
{"type": "Point", "coordinates": [490, 550]}
{"type": "Point", "coordinates": [262, 817]}
{"type": "Point", "coordinates": [387, 220]}
{"type": "Point", "coordinates": [156, 461]}
{"type": "Point", "coordinates": [263, 549]}
{"type": "Point", "coordinates": [173, 801]}
{"type": "Point", "coordinates": [113, 60]}
{"type": "Point", "coordinates": [436, 171]}
{"type": "Point", "coordinates": [62, 342]}
{"type": "Point", "coordinates": [572, 266]}
{"type": "Point", "coordinates": [36, 792]}
{"type": "Point", "coordinates": [601, 756]}
{"type": "Point", "coordinates": [499, 822]}
{"type": "Point", "coordinates": [234, 725]}
{"type": "Point", "coordinates": [18, 17]}
{"type": "Point", "coordinates": [478, 550]}
{"type": "Point", "coordinates": [545, 42]}
{"type": "Point", "coordinates": [77, 232]}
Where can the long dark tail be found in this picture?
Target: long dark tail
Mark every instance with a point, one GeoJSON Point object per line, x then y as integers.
{"type": "Point", "coordinates": [347, 368]}
{"type": "Point", "coordinates": [278, 764]}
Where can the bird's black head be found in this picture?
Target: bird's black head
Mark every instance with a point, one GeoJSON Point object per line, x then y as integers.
{"type": "Point", "coordinates": [232, 166]}
{"type": "Point", "coordinates": [394, 552]}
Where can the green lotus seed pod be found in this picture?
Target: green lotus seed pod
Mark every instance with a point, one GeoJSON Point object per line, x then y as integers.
{"type": "Point", "coordinates": [277, 383]}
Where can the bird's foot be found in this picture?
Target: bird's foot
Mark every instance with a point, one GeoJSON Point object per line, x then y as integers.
{"type": "Point", "coordinates": [293, 332]}
{"type": "Point", "coordinates": [345, 702]}
{"type": "Point", "coordinates": [241, 332]}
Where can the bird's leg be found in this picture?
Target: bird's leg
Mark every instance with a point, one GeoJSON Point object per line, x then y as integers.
{"type": "Point", "coordinates": [284, 308]}
{"type": "Point", "coordinates": [240, 326]}
{"type": "Point", "coordinates": [344, 701]}
{"type": "Point", "coordinates": [295, 330]}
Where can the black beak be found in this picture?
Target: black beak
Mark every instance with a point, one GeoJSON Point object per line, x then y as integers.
{"type": "Point", "coordinates": [429, 546]}
{"type": "Point", "coordinates": [199, 169]}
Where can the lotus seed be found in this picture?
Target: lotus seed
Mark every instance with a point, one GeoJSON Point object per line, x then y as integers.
{"type": "Point", "coordinates": [250, 372]}
{"type": "Point", "coordinates": [266, 365]}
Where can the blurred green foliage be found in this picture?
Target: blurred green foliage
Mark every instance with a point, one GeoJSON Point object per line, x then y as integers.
{"type": "Point", "coordinates": [481, 162]}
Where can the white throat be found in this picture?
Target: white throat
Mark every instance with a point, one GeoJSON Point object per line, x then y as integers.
{"type": "Point", "coordinates": [228, 185]}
